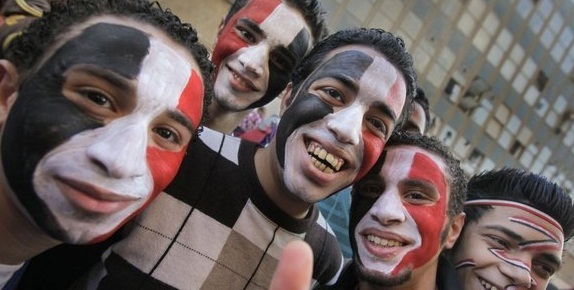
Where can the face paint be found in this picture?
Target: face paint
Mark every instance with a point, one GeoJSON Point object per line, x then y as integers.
{"type": "Point", "coordinates": [77, 136]}
{"type": "Point", "coordinates": [511, 244]}
{"type": "Point", "coordinates": [255, 56]}
{"type": "Point", "coordinates": [306, 107]}
{"type": "Point", "coordinates": [325, 141]}
{"type": "Point", "coordinates": [396, 232]}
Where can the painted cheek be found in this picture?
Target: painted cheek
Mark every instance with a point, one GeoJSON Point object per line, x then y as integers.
{"type": "Point", "coordinates": [191, 99]}
{"type": "Point", "coordinates": [163, 166]}
{"type": "Point", "coordinates": [229, 42]}
{"type": "Point", "coordinates": [373, 146]}
{"type": "Point", "coordinates": [429, 219]}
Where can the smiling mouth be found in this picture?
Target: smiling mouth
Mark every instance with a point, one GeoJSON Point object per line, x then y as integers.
{"type": "Point", "coordinates": [487, 285]}
{"type": "Point", "coordinates": [381, 242]}
{"type": "Point", "coordinates": [323, 160]}
{"type": "Point", "coordinates": [240, 80]}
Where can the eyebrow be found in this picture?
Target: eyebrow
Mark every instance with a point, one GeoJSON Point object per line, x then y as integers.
{"type": "Point", "coordinates": [109, 76]}
{"type": "Point", "coordinates": [386, 110]}
{"type": "Point", "coordinates": [422, 184]}
{"type": "Point", "coordinates": [180, 118]}
{"type": "Point", "coordinates": [253, 26]}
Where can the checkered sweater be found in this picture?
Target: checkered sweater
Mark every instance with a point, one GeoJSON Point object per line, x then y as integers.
{"type": "Point", "coordinates": [215, 228]}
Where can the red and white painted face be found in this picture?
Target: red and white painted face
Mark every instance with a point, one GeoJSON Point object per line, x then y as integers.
{"type": "Point", "coordinates": [135, 116]}
{"type": "Point", "coordinates": [339, 122]}
{"type": "Point", "coordinates": [256, 51]}
{"type": "Point", "coordinates": [404, 212]}
{"type": "Point", "coordinates": [510, 246]}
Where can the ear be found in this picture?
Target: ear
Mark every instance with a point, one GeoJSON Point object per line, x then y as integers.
{"type": "Point", "coordinates": [286, 98]}
{"type": "Point", "coordinates": [454, 230]}
{"type": "Point", "coordinates": [9, 79]}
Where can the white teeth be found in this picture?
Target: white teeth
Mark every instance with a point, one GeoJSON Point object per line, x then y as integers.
{"type": "Point", "coordinates": [383, 242]}
{"type": "Point", "coordinates": [487, 285]}
{"type": "Point", "coordinates": [239, 79]}
{"type": "Point", "coordinates": [324, 160]}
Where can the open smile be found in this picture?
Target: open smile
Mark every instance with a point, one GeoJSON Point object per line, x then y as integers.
{"type": "Point", "coordinates": [240, 83]}
{"type": "Point", "coordinates": [324, 160]}
{"type": "Point", "coordinates": [487, 285]}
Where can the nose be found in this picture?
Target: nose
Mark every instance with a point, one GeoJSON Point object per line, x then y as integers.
{"type": "Point", "coordinates": [388, 209]}
{"type": "Point", "coordinates": [254, 59]}
{"type": "Point", "coordinates": [519, 277]}
{"type": "Point", "coordinates": [120, 149]}
{"type": "Point", "coordinates": [346, 125]}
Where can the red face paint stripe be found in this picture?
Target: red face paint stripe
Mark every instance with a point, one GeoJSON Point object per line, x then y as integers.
{"type": "Point", "coordinates": [191, 99]}
{"type": "Point", "coordinates": [257, 11]}
{"type": "Point", "coordinates": [372, 149]}
{"type": "Point", "coordinates": [535, 226]}
{"type": "Point", "coordinates": [430, 220]}
{"type": "Point", "coordinates": [503, 256]}
{"type": "Point", "coordinates": [498, 202]}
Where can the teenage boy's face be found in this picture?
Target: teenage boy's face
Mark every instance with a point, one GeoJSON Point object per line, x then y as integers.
{"type": "Point", "coordinates": [338, 122]}
{"type": "Point", "coordinates": [510, 245]}
{"type": "Point", "coordinates": [100, 128]}
{"type": "Point", "coordinates": [256, 51]}
{"type": "Point", "coordinates": [399, 217]}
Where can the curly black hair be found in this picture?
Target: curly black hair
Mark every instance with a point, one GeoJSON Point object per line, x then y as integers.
{"type": "Point", "coordinates": [26, 51]}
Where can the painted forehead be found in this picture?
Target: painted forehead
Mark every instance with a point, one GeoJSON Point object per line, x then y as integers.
{"type": "Point", "coordinates": [347, 66]}
{"type": "Point", "coordinates": [540, 221]}
{"type": "Point", "coordinates": [275, 19]}
{"type": "Point", "coordinates": [415, 163]}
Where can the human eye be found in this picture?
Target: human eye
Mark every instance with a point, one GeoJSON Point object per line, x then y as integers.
{"type": "Point", "coordinates": [543, 270]}
{"type": "Point", "coordinates": [333, 94]}
{"type": "Point", "coordinates": [170, 134]}
{"type": "Point", "coordinates": [97, 98]}
{"type": "Point", "coordinates": [417, 197]}
{"type": "Point", "coordinates": [378, 125]}
{"type": "Point", "coordinates": [246, 34]}
{"type": "Point", "coordinates": [281, 62]}
{"type": "Point", "coordinates": [498, 242]}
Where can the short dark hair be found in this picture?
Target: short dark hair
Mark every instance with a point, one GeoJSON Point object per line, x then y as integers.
{"type": "Point", "coordinates": [513, 184]}
{"type": "Point", "coordinates": [310, 9]}
{"type": "Point", "coordinates": [26, 50]}
{"type": "Point", "coordinates": [391, 46]}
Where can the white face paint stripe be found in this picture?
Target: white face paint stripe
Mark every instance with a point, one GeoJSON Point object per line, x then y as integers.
{"type": "Point", "coordinates": [521, 206]}
{"type": "Point", "coordinates": [535, 227]}
{"type": "Point", "coordinates": [289, 27]}
{"type": "Point", "coordinates": [164, 73]}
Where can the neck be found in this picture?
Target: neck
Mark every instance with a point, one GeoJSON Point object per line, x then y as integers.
{"type": "Point", "coordinates": [223, 120]}
{"type": "Point", "coordinates": [271, 178]}
{"type": "Point", "coordinates": [20, 238]}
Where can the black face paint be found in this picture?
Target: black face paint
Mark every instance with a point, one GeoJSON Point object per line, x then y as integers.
{"type": "Point", "coordinates": [279, 77]}
{"type": "Point", "coordinates": [307, 107]}
{"type": "Point", "coordinates": [43, 118]}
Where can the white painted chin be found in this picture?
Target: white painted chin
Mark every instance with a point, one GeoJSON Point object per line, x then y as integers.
{"type": "Point", "coordinates": [83, 216]}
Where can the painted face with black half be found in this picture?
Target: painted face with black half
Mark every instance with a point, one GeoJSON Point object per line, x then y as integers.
{"type": "Point", "coordinates": [511, 246]}
{"type": "Point", "coordinates": [101, 127]}
{"type": "Point", "coordinates": [338, 122]}
{"type": "Point", "coordinates": [399, 217]}
{"type": "Point", "coordinates": [256, 51]}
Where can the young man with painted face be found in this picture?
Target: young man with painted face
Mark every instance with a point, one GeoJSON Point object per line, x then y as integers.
{"type": "Point", "coordinates": [234, 205]}
{"type": "Point", "coordinates": [516, 225]}
{"type": "Point", "coordinates": [404, 213]}
{"type": "Point", "coordinates": [259, 44]}
{"type": "Point", "coordinates": [419, 115]}
{"type": "Point", "coordinates": [98, 102]}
